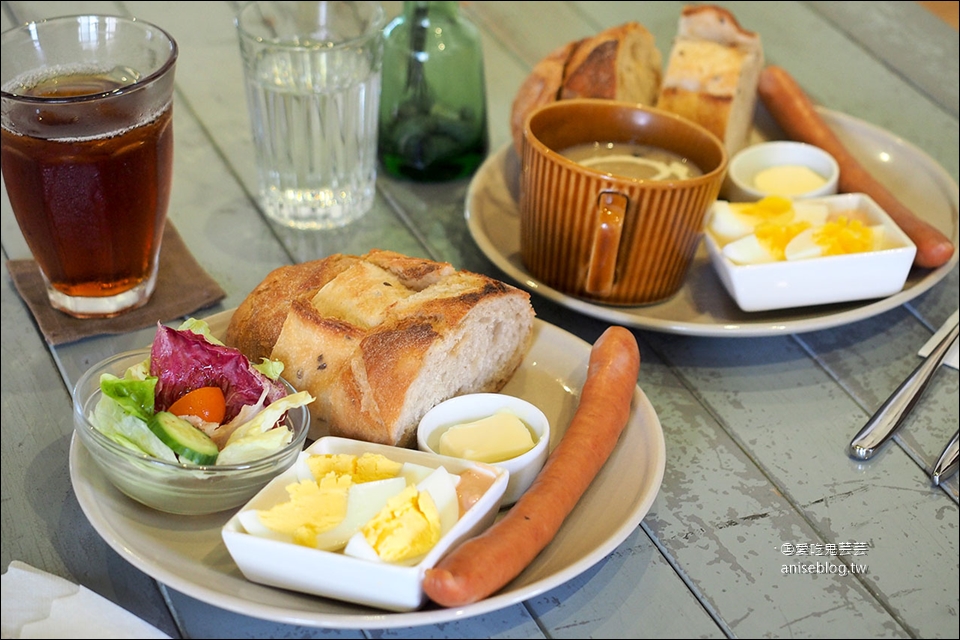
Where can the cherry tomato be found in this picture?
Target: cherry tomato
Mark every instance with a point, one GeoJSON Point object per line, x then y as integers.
{"type": "Point", "coordinates": [207, 403]}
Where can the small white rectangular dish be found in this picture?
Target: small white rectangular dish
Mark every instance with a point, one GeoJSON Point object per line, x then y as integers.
{"type": "Point", "coordinates": [333, 574]}
{"type": "Point", "coordinates": [823, 279]}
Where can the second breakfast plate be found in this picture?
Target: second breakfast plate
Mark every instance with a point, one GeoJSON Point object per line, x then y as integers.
{"type": "Point", "coordinates": [702, 306]}
{"type": "Point", "coordinates": [187, 552]}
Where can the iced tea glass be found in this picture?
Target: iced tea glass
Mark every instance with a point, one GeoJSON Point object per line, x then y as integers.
{"type": "Point", "coordinates": [88, 154]}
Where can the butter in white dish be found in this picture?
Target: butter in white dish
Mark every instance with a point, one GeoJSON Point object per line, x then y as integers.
{"type": "Point", "coordinates": [496, 438]}
{"type": "Point", "coordinates": [479, 407]}
{"type": "Point", "coordinates": [788, 180]}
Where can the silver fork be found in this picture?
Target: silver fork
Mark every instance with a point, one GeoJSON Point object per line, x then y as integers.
{"type": "Point", "coordinates": [888, 418]}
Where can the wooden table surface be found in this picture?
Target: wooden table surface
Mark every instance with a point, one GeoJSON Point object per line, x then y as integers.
{"type": "Point", "coordinates": [755, 427]}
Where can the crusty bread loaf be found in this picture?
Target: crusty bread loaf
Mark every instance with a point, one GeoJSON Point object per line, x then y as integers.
{"type": "Point", "coordinates": [380, 339]}
{"type": "Point", "coordinates": [712, 74]}
{"type": "Point", "coordinates": [619, 63]}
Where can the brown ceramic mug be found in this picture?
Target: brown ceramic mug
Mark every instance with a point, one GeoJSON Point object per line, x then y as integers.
{"type": "Point", "coordinates": [607, 237]}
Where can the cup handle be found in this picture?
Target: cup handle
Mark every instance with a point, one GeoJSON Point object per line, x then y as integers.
{"type": "Point", "coordinates": [601, 271]}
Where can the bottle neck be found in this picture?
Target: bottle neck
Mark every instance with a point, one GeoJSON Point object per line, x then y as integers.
{"type": "Point", "coordinates": [428, 10]}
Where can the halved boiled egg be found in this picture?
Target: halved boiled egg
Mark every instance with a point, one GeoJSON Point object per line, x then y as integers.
{"type": "Point", "coordinates": [364, 501]}
{"type": "Point", "coordinates": [313, 507]}
{"type": "Point", "coordinates": [411, 522]}
{"type": "Point", "coordinates": [730, 221]}
{"type": "Point", "coordinates": [837, 237]}
{"type": "Point", "coordinates": [396, 519]}
{"type": "Point", "coordinates": [766, 244]}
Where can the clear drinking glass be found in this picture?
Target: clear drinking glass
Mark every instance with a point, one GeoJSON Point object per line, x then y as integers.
{"type": "Point", "coordinates": [88, 154]}
{"type": "Point", "coordinates": [312, 72]}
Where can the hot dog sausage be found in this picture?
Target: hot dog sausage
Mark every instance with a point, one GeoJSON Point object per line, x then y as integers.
{"type": "Point", "coordinates": [795, 113]}
{"type": "Point", "coordinates": [484, 564]}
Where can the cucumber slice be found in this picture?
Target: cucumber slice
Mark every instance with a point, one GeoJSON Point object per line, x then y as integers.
{"type": "Point", "coordinates": [185, 439]}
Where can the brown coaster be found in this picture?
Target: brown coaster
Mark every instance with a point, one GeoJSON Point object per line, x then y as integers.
{"type": "Point", "coordinates": [183, 287]}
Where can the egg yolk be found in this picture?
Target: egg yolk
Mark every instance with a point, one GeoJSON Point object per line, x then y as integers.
{"type": "Point", "coordinates": [407, 527]}
{"type": "Point", "coordinates": [314, 507]}
{"type": "Point", "coordinates": [770, 208]}
{"type": "Point", "coordinates": [843, 236]}
{"type": "Point", "coordinates": [365, 468]}
{"type": "Point", "coordinates": [775, 237]}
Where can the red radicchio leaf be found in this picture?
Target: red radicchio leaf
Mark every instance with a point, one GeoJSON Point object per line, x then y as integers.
{"type": "Point", "coordinates": [183, 361]}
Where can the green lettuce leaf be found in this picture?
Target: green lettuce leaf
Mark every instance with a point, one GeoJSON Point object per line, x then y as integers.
{"type": "Point", "coordinates": [133, 394]}
{"type": "Point", "coordinates": [112, 419]}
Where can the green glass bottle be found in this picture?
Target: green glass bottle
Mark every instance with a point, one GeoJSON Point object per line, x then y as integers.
{"type": "Point", "coordinates": [433, 114]}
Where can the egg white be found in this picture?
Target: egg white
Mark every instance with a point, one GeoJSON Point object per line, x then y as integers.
{"type": "Point", "coordinates": [727, 223]}
{"type": "Point", "coordinates": [748, 250]}
{"type": "Point", "coordinates": [803, 246]}
{"type": "Point", "coordinates": [302, 468]}
{"type": "Point", "coordinates": [250, 521]}
{"type": "Point", "coordinates": [358, 547]}
{"type": "Point", "coordinates": [442, 488]}
{"type": "Point", "coordinates": [814, 213]}
{"type": "Point", "coordinates": [414, 473]}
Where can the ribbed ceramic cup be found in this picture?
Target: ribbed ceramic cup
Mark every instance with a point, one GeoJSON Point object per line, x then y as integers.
{"type": "Point", "coordinates": [605, 238]}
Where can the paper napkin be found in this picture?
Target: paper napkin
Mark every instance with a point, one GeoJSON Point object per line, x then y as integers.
{"type": "Point", "coordinates": [183, 287]}
{"type": "Point", "coordinates": [37, 604]}
{"type": "Point", "coordinates": [952, 356]}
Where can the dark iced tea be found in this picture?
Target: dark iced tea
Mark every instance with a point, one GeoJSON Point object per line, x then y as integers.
{"type": "Point", "coordinates": [90, 204]}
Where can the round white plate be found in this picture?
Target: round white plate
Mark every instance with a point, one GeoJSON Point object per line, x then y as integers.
{"type": "Point", "coordinates": [187, 553]}
{"type": "Point", "coordinates": [702, 307]}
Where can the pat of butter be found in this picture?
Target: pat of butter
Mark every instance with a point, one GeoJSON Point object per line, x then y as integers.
{"type": "Point", "coordinates": [493, 439]}
{"type": "Point", "coordinates": [788, 180]}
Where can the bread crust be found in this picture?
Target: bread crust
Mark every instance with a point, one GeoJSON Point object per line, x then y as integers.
{"type": "Point", "coordinates": [712, 74]}
{"type": "Point", "coordinates": [379, 339]}
{"type": "Point", "coordinates": [541, 87]}
{"type": "Point", "coordinates": [619, 63]}
{"type": "Point", "coordinates": [258, 320]}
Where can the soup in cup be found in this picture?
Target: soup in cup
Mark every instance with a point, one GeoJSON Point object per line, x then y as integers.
{"type": "Point", "coordinates": [590, 230]}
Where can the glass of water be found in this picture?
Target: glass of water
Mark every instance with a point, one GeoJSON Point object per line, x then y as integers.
{"type": "Point", "coordinates": [312, 73]}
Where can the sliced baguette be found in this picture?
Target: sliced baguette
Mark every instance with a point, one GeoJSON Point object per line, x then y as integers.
{"type": "Point", "coordinates": [386, 337]}
{"type": "Point", "coordinates": [712, 74]}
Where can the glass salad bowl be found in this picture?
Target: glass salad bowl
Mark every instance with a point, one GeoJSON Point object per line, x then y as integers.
{"type": "Point", "coordinates": [175, 485]}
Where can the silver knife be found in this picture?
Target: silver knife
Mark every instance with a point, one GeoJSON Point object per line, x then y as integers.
{"type": "Point", "coordinates": [890, 415]}
{"type": "Point", "coordinates": [949, 459]}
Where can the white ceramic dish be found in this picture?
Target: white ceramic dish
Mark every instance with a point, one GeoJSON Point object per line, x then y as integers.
{"type": "Point", "coordinates": [394, 587]}
{"type": "Point", "coordinates": [523, 469]}
{"type": "Point", "coordinates": [823, 280]}
{"type": "Point", "coordinates": [188, 554]}
{"type": "Point", "coordinates": [702, 306]}
{"type": "Point", "coordinates": [747, 164]}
